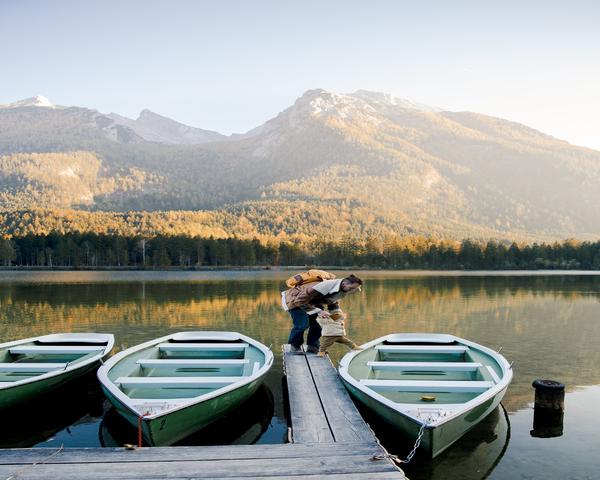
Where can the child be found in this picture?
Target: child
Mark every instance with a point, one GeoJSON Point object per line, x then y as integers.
{"type": "Point", "coordinates": [333, 331]}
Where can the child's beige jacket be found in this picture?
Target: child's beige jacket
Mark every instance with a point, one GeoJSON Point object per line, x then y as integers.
{"type": "Point", "coordinates": [331, 327]}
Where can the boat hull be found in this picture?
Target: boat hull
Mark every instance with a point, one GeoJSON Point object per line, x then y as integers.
{"type": "Point", "coordinates": [435, 439]}
{"type": "Point", "coordinates": [15, 396]}
{"type": "Point", "coordinates": [176, 425]}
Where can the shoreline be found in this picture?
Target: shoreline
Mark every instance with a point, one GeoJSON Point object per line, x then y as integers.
{"type": "Point", "coordinates": [362, 268]}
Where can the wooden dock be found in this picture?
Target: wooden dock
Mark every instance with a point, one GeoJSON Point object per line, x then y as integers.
{"type": "Point", "coordinates": [329, 440]}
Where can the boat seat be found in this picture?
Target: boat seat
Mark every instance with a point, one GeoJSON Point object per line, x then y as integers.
{"type": "Point", "coordinates": [196, 347]}
{"type": "Point", "coordinates": [54, 349]}
{"type": "Point", "coordinates": [428, 386]}
{"type": "Point", "coordinates": [192, 363]}
{"type": "Point", "coordinates": [426, 366]}
{"type": "Point", "coordinates": [31, 367]}
{"type": "Point", "coordinates": [175, 382]}
{"type": "Point", "coordinates": [421, 348]}
{"type": "Point", "coordinates": [493, 374]}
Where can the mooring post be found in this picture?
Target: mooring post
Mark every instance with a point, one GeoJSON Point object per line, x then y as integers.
{"type": "Point", "coordinates": [548, 409]}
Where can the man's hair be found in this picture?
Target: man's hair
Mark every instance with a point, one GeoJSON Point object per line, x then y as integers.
{"type": "Point", "coordinates": [354, 279]}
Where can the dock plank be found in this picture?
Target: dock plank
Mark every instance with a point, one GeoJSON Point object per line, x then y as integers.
{"type": "Point", "coordinates": [308, 419]}
{"type": "Point", "coordinates": [325, 465]}
{"type": "Point", "coordinates": [345, 422]}
{"type": "Point", "coordinates": [178, 454]}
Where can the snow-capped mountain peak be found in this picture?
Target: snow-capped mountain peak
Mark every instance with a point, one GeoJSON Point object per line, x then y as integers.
{"type": "Point", "coordinates": [37, 101]}
{"type": "Point", "coordinates": [380, 98]}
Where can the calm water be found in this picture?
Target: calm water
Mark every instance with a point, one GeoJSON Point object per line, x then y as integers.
{"type": "Point", "coordinates": [549, 325]}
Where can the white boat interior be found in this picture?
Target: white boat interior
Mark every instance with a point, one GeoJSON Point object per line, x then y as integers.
{"type": "Point", "coordinates": [427, 376]}
{"type": "Point", "coordinates": [33, 358]}
{"type": "Point", "coordinates": [183, 368]}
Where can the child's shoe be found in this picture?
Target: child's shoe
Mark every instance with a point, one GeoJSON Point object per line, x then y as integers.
{"type": "Point", "coordinates": [321, 354]}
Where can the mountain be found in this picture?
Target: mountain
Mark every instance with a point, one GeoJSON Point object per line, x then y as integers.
{"type": "Point", "coordinates": [330, 166]}
{"type": "Point", "coordinates": [156, 128]}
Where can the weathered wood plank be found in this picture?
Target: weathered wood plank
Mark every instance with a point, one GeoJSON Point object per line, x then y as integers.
{"type": "Point", "coordinates": [197, 469]}
{"type": "Point", "coordinates": [333, 476]}
{"type": "Point", "coordinates": [309, 423]}
{"type": "Point", "coordinates": [177, 454]}
{"type": "Point", "coordinates": [345, 422]}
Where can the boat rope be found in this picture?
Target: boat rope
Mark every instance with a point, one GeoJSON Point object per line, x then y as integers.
{"type": "Point", "coordinates": [44, 460]}
{"type": "Point", "coordinates": [140, 436]}
{"type": "Point", "coordinates": [394, 458]}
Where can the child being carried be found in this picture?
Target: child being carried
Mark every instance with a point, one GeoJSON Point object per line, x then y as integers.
{"type": "Point", "coordinates": [333, 331]}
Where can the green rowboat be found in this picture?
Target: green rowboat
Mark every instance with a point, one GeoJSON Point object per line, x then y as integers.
{"type": "Point", "coordinates": [172, 386]}
{"type": "Point", "coordinates": [434, 385]}
{"type": "Point", "coordinates": [33, 366]}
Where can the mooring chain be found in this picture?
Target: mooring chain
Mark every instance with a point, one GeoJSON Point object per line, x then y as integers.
{"type": "Point", "coordinates": [416, 446]}
{"type": "Point", "coordinates": [409, 457]}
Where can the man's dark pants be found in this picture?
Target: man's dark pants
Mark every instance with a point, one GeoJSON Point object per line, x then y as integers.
{"type": "Point", "coordinates": [301, 321]}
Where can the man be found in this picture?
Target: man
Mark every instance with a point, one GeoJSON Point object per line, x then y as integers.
{"type": "Point", "coordinates": [305, 301]}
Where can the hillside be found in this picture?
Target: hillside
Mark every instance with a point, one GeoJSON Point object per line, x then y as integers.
{"type": "Point", "coordinates": [329, 166]}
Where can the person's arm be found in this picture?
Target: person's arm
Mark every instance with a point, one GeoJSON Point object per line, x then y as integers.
{"type": "Point", "coordinates": [310, 300]}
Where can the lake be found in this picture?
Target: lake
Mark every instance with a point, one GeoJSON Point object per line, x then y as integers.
{"type": "Point", "coordinates": [547, 323]}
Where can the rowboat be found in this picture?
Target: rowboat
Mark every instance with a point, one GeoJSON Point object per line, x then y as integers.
{"type": "Point", "coordinates": [172, 386]}
{"type": "Point", "coordinates": [33, 366]}
{"type": "Point", "coordinates": [432, 386]}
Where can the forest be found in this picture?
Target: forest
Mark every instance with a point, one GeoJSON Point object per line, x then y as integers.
{"type": "Point", "coordinates": [91, 250]}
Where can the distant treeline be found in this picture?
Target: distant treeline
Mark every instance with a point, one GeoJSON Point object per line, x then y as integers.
{"type": "Point", "coordinates": [88, 250]}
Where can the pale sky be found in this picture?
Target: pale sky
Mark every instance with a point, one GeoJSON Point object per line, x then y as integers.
{"type": "Point", "coordinates": [230, 65]}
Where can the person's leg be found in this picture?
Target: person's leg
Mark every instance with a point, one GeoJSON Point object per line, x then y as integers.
{"type": "Point", "coordinates": [326, 342]}
{"type": "Point", "coordinates": [314, 333]}
{"type": "Point", "coordinates": [346, 341]}
{"type": "Point", "coordinates": [300, 323]}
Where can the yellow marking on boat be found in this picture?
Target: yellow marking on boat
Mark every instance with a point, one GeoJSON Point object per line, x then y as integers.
{"type": "Point", "coordinates": [428, 398]}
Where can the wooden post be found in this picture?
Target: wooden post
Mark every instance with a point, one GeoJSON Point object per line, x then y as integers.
{"type": "Point", "coordinates": [549, 395]}
{"type": "Point", "coordinates": [549, 409]}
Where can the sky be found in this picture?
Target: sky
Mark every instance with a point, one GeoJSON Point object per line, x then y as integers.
{"type": "Point", "coordinates": [231, 65]}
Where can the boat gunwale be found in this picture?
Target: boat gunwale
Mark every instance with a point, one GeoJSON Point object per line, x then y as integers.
{"type": "Point", "coordinates": [71, 367]}
{"type": "Point", "coordinates": [397, 407]}
{"type": "Point", "coordinates": [128, 402]}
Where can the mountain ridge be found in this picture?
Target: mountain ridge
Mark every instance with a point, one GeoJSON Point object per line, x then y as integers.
{"type": "Point", "coordinates": [366, 163]}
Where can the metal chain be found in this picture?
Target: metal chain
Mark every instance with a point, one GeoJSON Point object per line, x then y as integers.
{"type": "Point", "coordinates": [416, 446]}
{"type": "Point", "coordinates": [394, 458]}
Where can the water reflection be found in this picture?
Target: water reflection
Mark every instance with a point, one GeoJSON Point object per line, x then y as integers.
{"type": "Point", "coordinates": [548, 325]}
{"type": "Point", "coordinates": [62, 410]}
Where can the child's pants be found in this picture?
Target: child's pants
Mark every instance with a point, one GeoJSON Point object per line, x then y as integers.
{"type": "Point", "coordinates": [327, 342]}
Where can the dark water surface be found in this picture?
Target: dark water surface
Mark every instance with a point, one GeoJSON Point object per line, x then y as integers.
{"type": "Point", "coordinates": [549, 325]}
